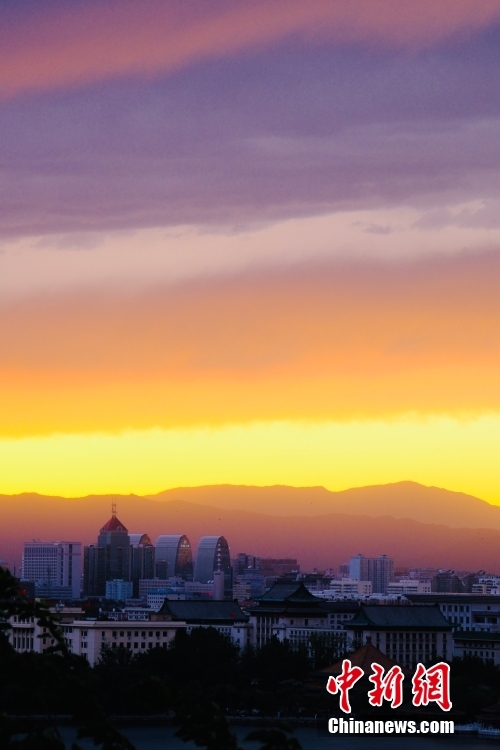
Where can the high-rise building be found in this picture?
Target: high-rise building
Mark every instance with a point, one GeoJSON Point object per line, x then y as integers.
{"type": "Point", "coordinates": [54, 567]}
{"type": "Point", "coordinates": [277, 566]}
{"type": "Point", "coordinates": [142, 560]}
{"type": "Point", "coordinates": [378, 570]}
{"type": "Point", "coordinates": [213, 554]}
{"type": "Point", "coordinates": [173, 557]}
{"type": "Point", "coordinates": [244, 562]}
{"type": "Point", "coordinates": [109, 559]}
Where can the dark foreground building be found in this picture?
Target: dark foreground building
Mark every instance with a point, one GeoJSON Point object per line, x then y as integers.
{"type": "Point", "coordinates": [408, 634]}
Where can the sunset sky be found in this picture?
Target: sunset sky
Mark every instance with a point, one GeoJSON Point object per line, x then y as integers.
{"type": "Point", "coordinates": [249, 242]}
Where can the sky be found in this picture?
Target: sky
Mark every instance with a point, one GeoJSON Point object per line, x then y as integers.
{"type": "Point", "coordinates": [249, 242]}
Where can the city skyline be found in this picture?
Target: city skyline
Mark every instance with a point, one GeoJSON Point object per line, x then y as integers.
{"type": "Point", "coordinates": [413, 524]}
{"type": "Point", "coordinates": [249, 367]}
{"type": "Point", "coordinates": [56, 570]}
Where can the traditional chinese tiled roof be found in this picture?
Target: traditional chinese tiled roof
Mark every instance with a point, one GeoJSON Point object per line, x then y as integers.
{"type": "Point", "coordinates": [114, 525]}
{"type": "Point", "coordinates": [385, 617]}
{"type": "Point", "coordinates": [336, 607]}
{"type": "Point", "coordinates": [288, 591]}
{"type": "Point", "coordinates": [203, 611]}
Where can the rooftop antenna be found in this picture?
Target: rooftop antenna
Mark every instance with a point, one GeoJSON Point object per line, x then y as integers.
{"type": "Point", "coordinates": [113, 509]}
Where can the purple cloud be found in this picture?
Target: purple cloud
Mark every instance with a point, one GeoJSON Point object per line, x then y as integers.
{"type": "Point", "coordinates": [285, 133]}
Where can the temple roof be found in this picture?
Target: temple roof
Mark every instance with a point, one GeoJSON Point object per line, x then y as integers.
{"type": "Point", "coordinates": [288, 591]}
{"type": "Point", "coordinates": [203, 610]}
{"type": "Point", "coordinates": [399, 616]}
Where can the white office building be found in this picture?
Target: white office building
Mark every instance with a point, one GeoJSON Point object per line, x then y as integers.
{"type": "Point", "coordinates": [54, 567]}
{"type": "Point", "coordinates": [408, 586]}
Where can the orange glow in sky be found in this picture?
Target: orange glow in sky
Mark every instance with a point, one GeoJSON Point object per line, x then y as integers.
{"type": "Point", "coordinates": [249, 242]}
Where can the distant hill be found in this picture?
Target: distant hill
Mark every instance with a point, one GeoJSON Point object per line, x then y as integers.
{"type": "Point", "coordinates": [316, 540]}
{"type": "Point", "coordinates": [400, 500]}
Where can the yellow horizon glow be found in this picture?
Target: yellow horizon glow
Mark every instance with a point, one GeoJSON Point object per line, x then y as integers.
{"type": "Point", "coordinates": [439, 451]}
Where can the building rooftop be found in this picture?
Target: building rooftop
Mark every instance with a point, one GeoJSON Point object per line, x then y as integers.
{"type": "Point", "coordinates": [401, 616]}
{"type": "Point", "coordinates": [114, 525]}
{"type": "Point", "coordinates": [453, 598]}
{"type": "Point", "coordinates": [351, 605]}
{"type": "Point", "coordinates": [203, 611]}
{"type": "Point", "coordinates": [288, 591]}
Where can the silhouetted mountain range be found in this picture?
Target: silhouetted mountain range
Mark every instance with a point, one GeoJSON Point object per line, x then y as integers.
{"type": "Point", "coordinates": [416, 525]}
{"type": "Point", "coordinates": [400, 500]}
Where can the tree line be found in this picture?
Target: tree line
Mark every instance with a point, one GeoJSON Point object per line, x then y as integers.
{"type": "Point", "coordinates": [199, 680]}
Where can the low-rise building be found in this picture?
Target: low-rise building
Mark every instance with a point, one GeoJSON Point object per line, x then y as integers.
{"type": "Point", "coordinates": [469, 612]}
{"type": "Point", "coordinates": [119, 590]}
{"type": "Point", "coordinates": [487, 585]}
{"type": "Point", "coordinates": [182, 592]}
{"type": "Point", "coordinates": [25, 634]}
{"type": "Point", "coordinates": [347, 587]}
{"type": "Point", "coordinates": [289, 611]}
{"type": "Point", "coordinates": [224, 616]}
{"type": "Point", "coordinates": [484, 646]}
{"type": "Point", "coordinates": [89, 636]}
{"type": "Point", "coordinates": [406, 633]}
{"type": "Point", "coordinates": [408, 586]}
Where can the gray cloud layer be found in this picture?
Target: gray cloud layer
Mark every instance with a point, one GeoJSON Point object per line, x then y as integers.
{"type": "Point", "coordinates": [283, 134]}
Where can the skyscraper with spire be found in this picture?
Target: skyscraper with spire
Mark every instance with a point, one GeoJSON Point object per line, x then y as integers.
{"type": "Point", "coordinates": [107, 560]}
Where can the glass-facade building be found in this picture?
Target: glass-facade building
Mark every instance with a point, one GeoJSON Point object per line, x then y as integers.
{"type": "Point", "coordinates": [175, 551]}
{"type": "Point", "coordinates": [108, 560]}
{"type": "Point", "coordinates": [142, 560]}
{"type": "Point", "coordinates": [213, 554]}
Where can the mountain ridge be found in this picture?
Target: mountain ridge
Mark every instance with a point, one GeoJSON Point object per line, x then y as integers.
{"type": "Point", "coordinates": [400, 499]}
{"type": "Point", "coordinates": [320, 541]}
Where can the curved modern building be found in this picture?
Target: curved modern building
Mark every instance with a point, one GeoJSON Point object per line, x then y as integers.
{"type": "Point", "coordinates": [140, 540]}
{"type": "Point", "coordinates": [175, 551]}
{"type": "Point", "coordinates": [212, 554]}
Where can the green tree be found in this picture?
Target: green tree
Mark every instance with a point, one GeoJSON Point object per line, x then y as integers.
{"type": "Point", "coordinates": [92, 721]}
{"type": "Point", "coordinates": [327, 648]}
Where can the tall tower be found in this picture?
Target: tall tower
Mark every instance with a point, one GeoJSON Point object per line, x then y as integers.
{"type": "Point", "coordinates": [109, 559]}
{"type": "Point", "coordinates": [213, 556]}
